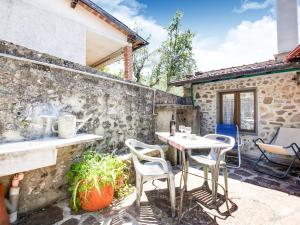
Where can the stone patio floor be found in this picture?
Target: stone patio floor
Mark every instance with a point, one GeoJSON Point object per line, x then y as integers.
{"type": "Point", "coordinates": [254, 199]}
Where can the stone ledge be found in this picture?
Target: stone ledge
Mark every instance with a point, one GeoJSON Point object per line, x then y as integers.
{"type": "Point", "coordinates": [173, 106]}
{"type": "Point", "coordinates": [30, 155]}
{"type": "Point", "coordinates": [48, 142]}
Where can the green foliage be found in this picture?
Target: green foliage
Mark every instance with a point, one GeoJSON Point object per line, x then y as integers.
{"type": "Point", "coordinates": [113, 69]}
{"type": "Point", "coordinates": [95, 170]}
{"type": "Point", "coordinates": [173, 60]}
{"type": "Point", "coordinates": [176, 57]}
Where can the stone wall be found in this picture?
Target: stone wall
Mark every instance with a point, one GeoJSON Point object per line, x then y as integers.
{"type": "Point", "coordinates": [278, 104]}
{"type": "Point", "coordinates": [29, 90]}
{"type": "Point", "coordinates": [46, 85]}
{"type": "Point", "coordinates": [163, 98]}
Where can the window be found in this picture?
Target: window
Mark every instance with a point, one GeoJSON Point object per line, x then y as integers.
{"type": "Point", "coordinates": [239, 107]}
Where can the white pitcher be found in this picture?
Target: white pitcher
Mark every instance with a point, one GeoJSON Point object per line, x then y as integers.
{"type": "Point", "coordinates": [47, 123]}
{"type": "Point", "coordinates": [67, 125]}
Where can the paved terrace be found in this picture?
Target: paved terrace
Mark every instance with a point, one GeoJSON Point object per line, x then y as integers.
{"type": "Point", "coordinates": [254, 199]}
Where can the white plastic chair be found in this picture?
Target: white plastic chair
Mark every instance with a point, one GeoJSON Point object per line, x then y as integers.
{"type": "Point", "coordinates": [153, 169]}
{"type": "Point", "coordinates": [214, 160]}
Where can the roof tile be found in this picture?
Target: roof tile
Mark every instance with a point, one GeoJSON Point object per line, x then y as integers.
{"type": "Point", "coordinates": [238, 71]}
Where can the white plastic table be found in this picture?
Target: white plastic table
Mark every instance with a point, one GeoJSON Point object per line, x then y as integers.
{"type": "Point", "coordinates": [183, 145]}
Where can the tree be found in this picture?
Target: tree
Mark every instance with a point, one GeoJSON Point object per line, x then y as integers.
{"type": "Point", "coordinates": [176, 55]}
{"type": "Point", "coordinates": [140, 59]}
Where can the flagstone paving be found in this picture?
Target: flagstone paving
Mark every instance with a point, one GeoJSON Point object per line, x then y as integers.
{"type": "Point", "coordinates": [254, 199]}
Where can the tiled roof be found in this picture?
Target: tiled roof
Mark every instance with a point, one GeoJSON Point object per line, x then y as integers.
{"type": "Point", "coordinates": [259, 68]}
{"type": "Point", "coordinates": [293, 55]}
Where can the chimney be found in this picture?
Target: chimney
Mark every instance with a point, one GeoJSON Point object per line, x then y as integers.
{"type": "Point", "coordinates": [287, 26]}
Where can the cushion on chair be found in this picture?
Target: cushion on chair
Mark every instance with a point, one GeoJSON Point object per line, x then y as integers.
{"type": "Point", "coordinates": [222, 139]}
{"type": "Point", "coordinates": [276, 149]}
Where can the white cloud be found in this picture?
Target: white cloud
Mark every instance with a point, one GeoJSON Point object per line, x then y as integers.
{"type": "Point", "coordinates": [249, 42]}
{"type": "Point", "coordinates": [254, 5]}
{"type": "Point", "coordinates": [130, 13]}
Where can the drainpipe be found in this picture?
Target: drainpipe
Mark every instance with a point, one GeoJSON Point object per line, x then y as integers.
{"type": "Point", "coordinates": [192, 94]}
{"type": "Point", "coordinates": [13, 201]}
{"type": "Point", "coordinates": [154, 99]}
{"type": "Point", "coordinates": [198, 111]}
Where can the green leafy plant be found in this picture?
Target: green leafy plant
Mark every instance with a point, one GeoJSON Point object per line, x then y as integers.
{"type": "Point", "coordinates": [95, 170]}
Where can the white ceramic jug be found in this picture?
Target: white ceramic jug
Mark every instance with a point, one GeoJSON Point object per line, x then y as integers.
{"type": "Point", "coordinates": [47, 123]}
{"type": "Point", "coordinates": [67, 125]}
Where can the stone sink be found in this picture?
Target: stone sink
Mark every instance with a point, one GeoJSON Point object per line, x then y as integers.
{"type": "Point", "coordinates": [28, 155]}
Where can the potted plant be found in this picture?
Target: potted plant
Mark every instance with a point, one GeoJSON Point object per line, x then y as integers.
{"type": "Point", "coordinates": [94, 179]}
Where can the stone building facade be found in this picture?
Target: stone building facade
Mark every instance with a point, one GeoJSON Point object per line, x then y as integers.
{"type": "Point", "coordinates": [277, 104]}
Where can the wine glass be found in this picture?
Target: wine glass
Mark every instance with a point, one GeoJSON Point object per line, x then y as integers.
{"type": "Point", "coordinates": [181, 128]}
{"type": "Point", "coordinates": [188, 131]}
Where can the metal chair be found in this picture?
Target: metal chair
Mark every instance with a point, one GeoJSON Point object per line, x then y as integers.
{"type": "Point", "coordinates": [285, 142]}
{"type": "Point", "coordinates": [232, 130]}
{"type": "Point", "coordinates": [214, 160]}
{"type": "Point", "coordinates": [153, 169]}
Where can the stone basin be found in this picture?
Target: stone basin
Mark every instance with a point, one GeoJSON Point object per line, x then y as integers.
{"type": "Point", "coordinates": [28, 155]}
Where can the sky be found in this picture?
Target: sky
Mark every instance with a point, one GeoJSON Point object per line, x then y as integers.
{"type": "Point", "coordinates": [227, 32]}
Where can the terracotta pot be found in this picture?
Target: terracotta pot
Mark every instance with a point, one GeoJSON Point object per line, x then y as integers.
{"type": "Point", "coordinates": [97, 200]}
{"type": "Point", "coordinates": [3, 213]}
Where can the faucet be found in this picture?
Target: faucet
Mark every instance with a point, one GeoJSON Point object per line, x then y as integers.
{"type": "Point", "coordinates": [13, 201]}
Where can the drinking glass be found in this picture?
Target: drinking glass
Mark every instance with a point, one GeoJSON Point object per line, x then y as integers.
{"type": "Point", "coordinates": [188, 130]}
{"type": "Point", "coordinates": [181, 128]}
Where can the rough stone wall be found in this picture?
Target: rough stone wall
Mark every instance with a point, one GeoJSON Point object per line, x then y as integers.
{"type": "Point", "coordinates": [278, 104]}
{"type": "Point", "coordinates": [12, 49]}
{"type": "Point", "coordinates": [30, 89]}
{"type": "Point", "coordinates": [162, 97]}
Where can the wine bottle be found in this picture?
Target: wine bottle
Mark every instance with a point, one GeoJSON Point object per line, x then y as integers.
{"type": "Point", "coordinates": [172, 126]}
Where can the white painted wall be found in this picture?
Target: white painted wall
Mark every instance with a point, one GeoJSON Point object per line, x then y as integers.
{"type": "Point", "coordinates": [52, 27]}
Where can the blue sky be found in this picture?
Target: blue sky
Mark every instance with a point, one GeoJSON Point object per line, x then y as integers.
{"type": "Point", "coordinates": [228, 32]}
{"type": "Point", "coordinates": [206, 18]}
